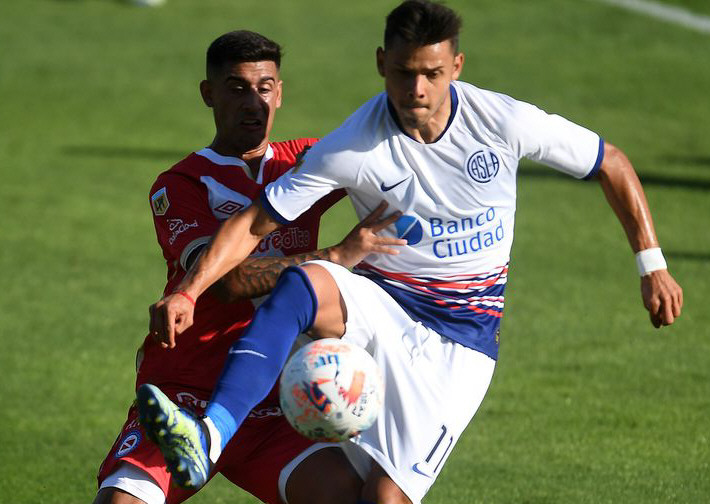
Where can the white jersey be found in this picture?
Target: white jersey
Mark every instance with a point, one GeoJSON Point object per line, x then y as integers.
{"type": "Point", "coordinates": [457, 196]}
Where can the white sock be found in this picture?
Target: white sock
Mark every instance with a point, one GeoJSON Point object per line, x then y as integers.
{"type": "Point", "coordinates": [215, 440]}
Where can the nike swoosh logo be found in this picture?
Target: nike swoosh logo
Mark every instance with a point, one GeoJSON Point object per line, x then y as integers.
{"type": "Point", "coordinates": [416, 469]}
{"type": "Point", "coordinates": [386, 188]}
{"type": "Point", "coordinates": [250, 352]}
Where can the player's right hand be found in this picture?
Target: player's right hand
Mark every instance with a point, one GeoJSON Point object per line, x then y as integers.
{"type": "Point", "coordinates": [169, 317]}
{"type": "Point", "coordinates": [662, 297]}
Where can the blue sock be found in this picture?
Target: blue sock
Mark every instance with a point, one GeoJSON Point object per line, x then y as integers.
{"type": "Point", "coordinates": [256, 359]}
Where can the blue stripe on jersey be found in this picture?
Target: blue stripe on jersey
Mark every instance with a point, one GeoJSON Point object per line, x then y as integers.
{"type": "Point", "coordinates": [470, 320]}
{"type": "Point", "coordinates": [454, 108]}
{"type": "Point", "coordinates": [598, 162]}
{"type": "Point", "coordinates": [271, 210]}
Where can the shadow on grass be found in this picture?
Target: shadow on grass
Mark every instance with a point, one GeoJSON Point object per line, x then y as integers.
{"type": "Point", "coordinates": [106, 152]}
{"type": "Point", "coordinates": [688, 160]}
{"type": "Point", "coordinates": [648, 180]}
{"type": "Point", "coordinates": [680, 255]}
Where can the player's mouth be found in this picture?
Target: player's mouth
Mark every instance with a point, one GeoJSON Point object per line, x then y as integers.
{"type": "Point", "coordinates": [415, 107]}
{"type": "Point", "coordinates": [252, 124]}
{"type": "Point", "coordinates": [415, 111]}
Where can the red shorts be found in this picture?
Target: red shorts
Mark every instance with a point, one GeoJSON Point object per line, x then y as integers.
{"type": "Point", "coordinates": [252, 460]}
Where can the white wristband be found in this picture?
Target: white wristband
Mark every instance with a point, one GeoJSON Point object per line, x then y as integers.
{"type": "Point", "coordinates": [650, 260]}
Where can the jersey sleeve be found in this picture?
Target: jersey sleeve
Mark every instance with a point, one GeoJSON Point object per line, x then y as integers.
{"type": "Point", "coordinates": [328, 165]}
{"type": "Point", "coordinates": [183, 220]}
{"type": "Point", "coordinates": [552, 140]}
{"type": "Point", "coordinates": [324, 204]}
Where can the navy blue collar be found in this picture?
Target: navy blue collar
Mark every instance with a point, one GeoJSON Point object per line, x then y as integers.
{"type": "Point", "coordinates": [454, 107]}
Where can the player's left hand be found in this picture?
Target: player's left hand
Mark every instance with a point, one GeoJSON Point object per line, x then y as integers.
{"type": "Point", "coordinates": [364, 239]}
{"type": "Point", "coordinates": [169, 317]}
{"type": "Point", "coordinates": [662, 297]}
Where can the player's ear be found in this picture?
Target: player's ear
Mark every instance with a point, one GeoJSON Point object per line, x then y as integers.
{"type": "Point", "coordinates": [458, 66]}
{"type": "Point", "coordinates": [206, 92]}
{"type": "Point", "coordinates": [279, 93]}
{"type": "Point", "coordinates": [381, 61]}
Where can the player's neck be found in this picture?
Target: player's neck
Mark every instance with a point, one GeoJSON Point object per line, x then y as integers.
{"type": "Point", "coordinates": [428, 133]}
{"type": "Point", "coordinates": [251, 157]}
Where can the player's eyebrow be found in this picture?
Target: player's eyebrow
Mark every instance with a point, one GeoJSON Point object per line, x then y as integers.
{"type": "Point", "coordinates": [423, 69]}
{"type": "Point", "coordinates": [236, 78]}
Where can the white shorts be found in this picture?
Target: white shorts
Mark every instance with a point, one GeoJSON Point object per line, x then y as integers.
{"type": "Point", "coordinates": [433, 386]}
{"type": "Point", "coordinates": [136, 482]}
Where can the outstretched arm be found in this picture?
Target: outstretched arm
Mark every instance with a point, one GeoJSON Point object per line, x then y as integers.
{"type": "Point", "coordinates": [222, 258]}
{"type": "Point", "coordinates": [256, 277]}
{"type": "Point", "coordinates": [662, 296]}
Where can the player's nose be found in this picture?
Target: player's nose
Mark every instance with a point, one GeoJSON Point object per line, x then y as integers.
{"type": "Point", "coordinates": [253, 101]}
{"type": "Point", "coordinates": [416, 86]}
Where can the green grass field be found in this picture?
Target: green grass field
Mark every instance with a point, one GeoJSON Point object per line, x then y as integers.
{"type": "Point", "coordinates": [589, 404]}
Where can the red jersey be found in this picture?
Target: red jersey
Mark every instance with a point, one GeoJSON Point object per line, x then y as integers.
{"type": "Point", "coordinates": [189, 201]}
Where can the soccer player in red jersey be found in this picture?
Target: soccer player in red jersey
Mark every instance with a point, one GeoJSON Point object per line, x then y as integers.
{"type": "Point", "coordinates": [189, 201]}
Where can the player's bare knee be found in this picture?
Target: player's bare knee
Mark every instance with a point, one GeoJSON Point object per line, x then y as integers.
{"type": "Point", "coordinates": [380, 488]}
{"type": "Point", "coordinates": [115, 496]}
{"type": "Point", "coordinates": [322, 281]}
{"type": "Point", "coordinates": [390, 493]}
{"type": "Point", "coordinates": [332, 313]}
{"type": "Point", "coordinates": [324, 477]}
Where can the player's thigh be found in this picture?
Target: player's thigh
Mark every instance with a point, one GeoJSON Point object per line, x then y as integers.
{"type": "Point", "coordinates": [132, 459]}
{"type": "Point", "coordinates": [134, 464]}
{"type": "Point", "coordinates": [129, 484]}
{"type": "Point", "coordinates": [324, 476]}
{"type": "Point", "coordinates": [360, 303]}
{"type": "Point", "coordinates": [331, 314]}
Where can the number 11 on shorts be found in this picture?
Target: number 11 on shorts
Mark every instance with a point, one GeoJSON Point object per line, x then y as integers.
{"type": "Point", "coordinates": [436, 456]}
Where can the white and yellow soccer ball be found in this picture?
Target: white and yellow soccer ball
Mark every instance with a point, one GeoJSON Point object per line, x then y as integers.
{"type": "Point", "coordinates": [331, 390]}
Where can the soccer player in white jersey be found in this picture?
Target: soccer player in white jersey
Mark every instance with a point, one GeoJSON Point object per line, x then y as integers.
{"type": "Point", "coordinates": [444, 154]}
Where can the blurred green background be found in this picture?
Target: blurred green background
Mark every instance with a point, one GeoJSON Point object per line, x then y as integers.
{"type": "Point", "coordinates": [589, 404]}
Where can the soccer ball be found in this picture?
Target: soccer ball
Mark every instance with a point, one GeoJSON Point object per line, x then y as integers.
{"type": "Point", "coordinates": [147, 3]}
{"type": "Point", "coordinates": [331, 390]}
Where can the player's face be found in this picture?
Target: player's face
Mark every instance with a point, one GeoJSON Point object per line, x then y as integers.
{"type": "Point", "coordinates": [244, 98]}
{"type": "Point", "coordinates": [417, 83]}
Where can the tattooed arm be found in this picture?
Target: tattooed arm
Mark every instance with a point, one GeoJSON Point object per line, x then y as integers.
{"type": "Point", "coordinates": [256, 277]}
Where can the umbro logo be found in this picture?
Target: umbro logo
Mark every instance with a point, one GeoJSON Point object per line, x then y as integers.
{"type": "Point", "coordinates": [230, 207]}
{"type": "Point", "coordinates": [386, 188]}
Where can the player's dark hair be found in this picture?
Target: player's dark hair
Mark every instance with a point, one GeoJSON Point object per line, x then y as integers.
{"type": "Point", "coordinates": [421, 23]}
{"type": "Point", "coordinates": [241, 46]}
